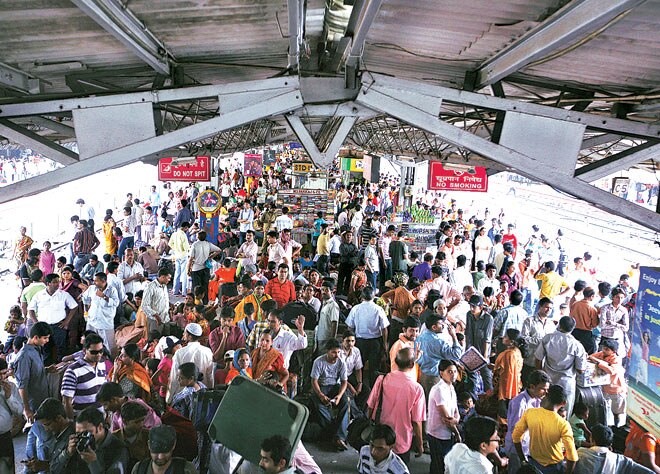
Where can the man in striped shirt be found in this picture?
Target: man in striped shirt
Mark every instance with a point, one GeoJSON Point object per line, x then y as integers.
{"type": "Point", "coordinates": [83, 379]}
{"type": "Point", "coordinates": [378, 456]}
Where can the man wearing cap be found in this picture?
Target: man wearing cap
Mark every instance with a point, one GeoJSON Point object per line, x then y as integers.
{"type": "Point", "coordinates": [194, 352]}
{"type": "Point", "coordinates": [162, 441]}
{"type": "Point", "coordinates": [562, 357]}
{"type": "Point", "coordinates": [479, 333]}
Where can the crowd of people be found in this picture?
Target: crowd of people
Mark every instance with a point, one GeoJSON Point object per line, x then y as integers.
{"type": "Point", "coordinates": [467, 354]}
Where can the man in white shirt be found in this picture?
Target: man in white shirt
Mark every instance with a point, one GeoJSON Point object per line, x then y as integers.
{"type": "Point", "coordinates": [103, 301]}
{"type": "Point", "coordinates": [328, 317]}
{"type": "Point", "coordinates": [335, 243]}
{"type": "Point", "coordinates": [284, 221]}
{"type": "Point", "coordinates": [115, 282]}
{"type": "Point", "coordinates": [370, 324]}
{"type": "Point", "coordinates": [194, 352]}
{"type": "Point", "coordinates": [156, 301]}
{"type": "Point", "coordinates": [128, 240]}
{"type": "Point", "coordinates": [286, 341]}
{"type": "Point", "coordinates": [489, 280]}
{"type": "Point", "coordinates": [276, 252]}
{"type": "Point", "coordinates": [131, 273]}
{"type": "Point", "coordinates": [460, 277]}
{"type": "Point", "coordinates": [51, 304]}
{"type": "Point", "coordinates": [245, 220]}
{"type": "Point", "coordinates": [481, 439]}
{"type": "Point", "coordinates": [307, 297]}
{"type": "Point", "coordinates": [180, 246]}
{"type": "Point", "coordinates": [249, 250]}
{"type": "Point", "coordinates": [200, 252]}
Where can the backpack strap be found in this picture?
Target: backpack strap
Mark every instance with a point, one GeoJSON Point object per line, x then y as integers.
{"type": "Point", "coordinates": [143, 466]}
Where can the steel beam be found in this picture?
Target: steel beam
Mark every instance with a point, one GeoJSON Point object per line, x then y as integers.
{"type": "Point", "coordinates": [592, 121]}
{"type": "Point", "coordinates": [29, 139]}
{"type": "Point", "coordinates": [296, 14]}
{"type": "Point", "coordinates": [599, 140]}
{"type": "Point", "coordinates": [18, 80]}
{"type": "Point", "coordinates": [619, 162]}
{"type": "Point", "coordinates": [120, 22]}
{"type": "Point", "coordinates": [368, 15]}
{"type": "Point", "coordinates": [59, 127]}
{"type": "Point", "coordinates": [182, 94]}
{"type": "Point", "coordinates": [281, 102]}
{"type": "Point", "coordinates": [571, 24]}
{"type": "Point", "coordinates": [406, 107]}
{"type": "Point", "coordinates": [322, 158]}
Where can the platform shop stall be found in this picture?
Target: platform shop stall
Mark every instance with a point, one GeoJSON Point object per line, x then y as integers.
{"type": "Point", "coordinates": [308, 196]}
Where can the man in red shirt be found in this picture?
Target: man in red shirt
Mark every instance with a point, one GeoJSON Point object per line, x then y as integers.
{"type": "Point", "coordinates": [511, 237]}
{"type": "Point", "coordinates": [280, 288]}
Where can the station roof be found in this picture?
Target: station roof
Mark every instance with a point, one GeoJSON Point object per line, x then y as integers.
{"type": "Point", "coordinates": [597, 56]}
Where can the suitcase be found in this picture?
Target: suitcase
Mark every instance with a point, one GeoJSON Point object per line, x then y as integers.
{"type": "Point", "coordinates": [593, 398]}
{"type": "Point", "coordinates": [249, 413]}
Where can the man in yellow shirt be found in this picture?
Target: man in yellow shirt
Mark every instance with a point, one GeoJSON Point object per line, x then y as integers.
{"type": "Point", "coordinates": [552, 283]}
{"type": "Point", "coordinates": [549, 435]}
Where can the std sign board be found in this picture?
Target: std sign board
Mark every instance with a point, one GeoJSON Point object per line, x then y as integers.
{"type": "Point", "coordinates": [198, 170]}
{"type": "Point", "coordinates": [644, 367]}
{"type": "Point", "coordinates": [442, 179]}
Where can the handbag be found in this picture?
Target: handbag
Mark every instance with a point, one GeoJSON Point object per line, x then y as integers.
{"type": "Point", "coordinates": [359, 430]}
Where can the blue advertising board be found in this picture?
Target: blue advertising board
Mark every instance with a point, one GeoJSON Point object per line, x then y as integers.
{"type": "Point", "coordinates": [644, 368]}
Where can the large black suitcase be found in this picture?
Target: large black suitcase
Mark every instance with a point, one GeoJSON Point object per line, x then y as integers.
{"type": "Point", "coordinates": [593, 398]}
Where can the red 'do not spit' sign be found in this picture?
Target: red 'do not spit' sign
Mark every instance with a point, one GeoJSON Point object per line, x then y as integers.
{"type": "Point", "coordinates": [198, 170]}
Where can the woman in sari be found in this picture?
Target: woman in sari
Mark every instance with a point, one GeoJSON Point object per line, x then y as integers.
{"type": "Point", "coordinates": [267, 358]}
{"type": "Point", "coordinates": [71, 283]}
{"type": "Point", "coordinates": [109, 224]}
{"type": "Point", "coordinates": [131, 376]}
{"type": "Point", "coordinates": [187, 376]}
{"type": "Point", "coordinates": [241, 365]}
{"type": "Point", "coordinates": [22, 247]}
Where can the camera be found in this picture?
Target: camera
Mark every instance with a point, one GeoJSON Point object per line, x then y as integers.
{"type": "Point", "coordinates": [85, 440]}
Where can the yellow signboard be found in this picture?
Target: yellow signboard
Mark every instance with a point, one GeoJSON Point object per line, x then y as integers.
{"type": "Point", "coordinates": [302, 167]}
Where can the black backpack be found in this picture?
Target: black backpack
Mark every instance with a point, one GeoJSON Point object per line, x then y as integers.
{"type": "Point", "coordinates": [178, 466]}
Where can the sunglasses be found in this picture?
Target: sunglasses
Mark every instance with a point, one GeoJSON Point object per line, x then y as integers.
{"type": "Point", "coordinates": [95, 352]}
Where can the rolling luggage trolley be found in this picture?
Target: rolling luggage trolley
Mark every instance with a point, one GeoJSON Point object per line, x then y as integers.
{"type": "Point", "coordinates": [249, 413]}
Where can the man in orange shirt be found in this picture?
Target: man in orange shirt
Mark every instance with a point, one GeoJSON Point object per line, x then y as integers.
{"type": "Point", "coordinates": [586, 319]}
{"type": "Point", "coordinates": [643, 448]}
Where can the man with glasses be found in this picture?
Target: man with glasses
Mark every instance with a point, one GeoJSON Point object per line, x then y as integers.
{"type": "Point", "coordinates": [481, 440]}
{"type": "Point", "coordinates": [83, 379]}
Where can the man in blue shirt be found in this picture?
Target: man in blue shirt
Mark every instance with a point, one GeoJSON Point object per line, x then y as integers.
{"type": "Point", "coordinates": [434, 348]}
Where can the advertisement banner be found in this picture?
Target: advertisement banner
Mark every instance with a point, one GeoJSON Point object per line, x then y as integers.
{"type": "Point", "coordinates": [185, 169]}
{"type": "Point", "coordinates": [270, 157]}
{"type": "Point", "coordinates": [352, 164]}
{"type": "Point", "coordinates": [253, 165]}
{"type": "Point", "coordinates": [644, 367]}
{"type": "Point", "coordinates": [467, 178]}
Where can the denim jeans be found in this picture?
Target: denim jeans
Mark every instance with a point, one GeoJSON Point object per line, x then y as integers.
{"type": "Point", "coordinates": [79, 261]}
{"type": "Point", "coordinates": [126, 243]}
{"type": "Point", "coordinates": [372, 279]}
{"type": "Point", "coordinates": [558, 468]}
{"type": "Point", "coordinates": [180, 276]}
{"type": "Point", "coordinates": [57, 339]}
{"type": "Point", "coordinates": [338, 424]}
